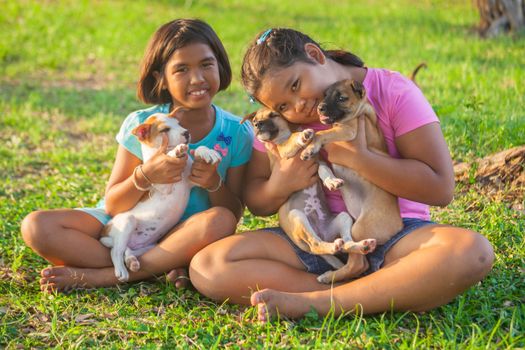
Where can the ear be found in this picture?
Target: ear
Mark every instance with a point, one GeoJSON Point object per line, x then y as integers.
{"type": "Point", "coordinates": [158, 78]}
{"type": "Point", "coordinates": [175, 110]}
{"type": "Point", "coordinates": [358, 88]}
{"type": "Point", "coordinates": [314, 53]}
{"type": "Point", "coordinates": [248, 117]}
{"type": "Point", "coordinates": [142, 131]}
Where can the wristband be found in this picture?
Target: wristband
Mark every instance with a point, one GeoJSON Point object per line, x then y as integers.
{"type": "Point", "coordinates": [218, 186]}
{"type": "Point", "coordinates": [134, 179]}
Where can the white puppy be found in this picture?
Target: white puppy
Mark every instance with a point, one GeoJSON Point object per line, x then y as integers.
{"type": "Point", "coordinates": [132, 233]}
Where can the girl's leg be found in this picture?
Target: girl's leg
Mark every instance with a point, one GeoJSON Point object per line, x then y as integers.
{"type": "Point", "coordinates": [234, 267]}
{"type": "Point", "coordinates": [175, 251]}
{"type": "Point", "coordinates": [425, 269]}
{"type": "Point", "coordinates": [66, 237]}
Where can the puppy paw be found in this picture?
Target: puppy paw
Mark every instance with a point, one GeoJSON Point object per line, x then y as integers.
{"type": "Point", "coordinates": [333, 183]}
{"type": "Point", "coordinates": [208, 155]}
{"type": "Point", "coordinates": [308, 153]}
{"type": "Point", "coordinates": [326, 277]}
{"type": "Point", "coordinates": [338, 245]}
{"type": "Point", "coordinates": [179, 151]}
{"type": "Point", "coordinates": [362, 247]}
{"type": "Point", "coordinates": [132, 263]}
{"type": "Point", "coordinates": [306, 136]}
{"type": "Point", "coordinates": [122, 274]}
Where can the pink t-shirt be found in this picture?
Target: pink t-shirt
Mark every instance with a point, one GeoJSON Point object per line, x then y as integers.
{"type": "Point", "coordinates": [401, 108]}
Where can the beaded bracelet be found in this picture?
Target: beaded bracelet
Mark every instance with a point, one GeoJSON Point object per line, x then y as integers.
{"type": "Point", "coordinates": [134, 179]}
{"type": "Point", "coordinates": [218, 186]}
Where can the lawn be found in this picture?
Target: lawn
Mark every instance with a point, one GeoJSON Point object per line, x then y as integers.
{"type": "Point", "coordinates": [67, 80]}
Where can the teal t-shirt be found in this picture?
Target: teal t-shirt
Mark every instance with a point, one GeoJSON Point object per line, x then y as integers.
{"type": "Point", "coordinates": [230, 138]}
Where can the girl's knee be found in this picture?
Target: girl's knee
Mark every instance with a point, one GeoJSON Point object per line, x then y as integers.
{"type": "Point", "coordinates": [205, 270]}
{"type": "Point", "coordinates": [475, 252]}
{"type": "Point", "coordinates": [216, 222]}
{"type": "Point", "coordinates": [32, 228]}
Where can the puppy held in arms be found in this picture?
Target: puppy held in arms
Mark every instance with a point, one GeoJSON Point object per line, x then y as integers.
{"type": "Point", "coordinates": [305, 216]}
{"type": "Point", "coordinates": [132, 233]}
{"type": "Point", "coordinates": [375, 211]}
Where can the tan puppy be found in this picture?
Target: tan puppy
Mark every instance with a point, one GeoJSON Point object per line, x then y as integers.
{"type": "Point", "coordinates": [305, 216]}
{"type": "Point", "coordinates": [376, 212]}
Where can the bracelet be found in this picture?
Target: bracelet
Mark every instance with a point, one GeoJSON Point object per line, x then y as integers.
{"type": "Point", "coordinates": [134, 179]}
{"type": "Point", "coordinates": [144, 174]}
{"type": "Point", "coordinates": [218, 186]}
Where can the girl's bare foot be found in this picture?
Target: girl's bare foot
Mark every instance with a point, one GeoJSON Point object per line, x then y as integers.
{"type": "Point", "coordinates": [271, 303]}
{"type": "Point", "coordinates": [65, 278]}
{"type": "Point", "coordinates": [179, 277]}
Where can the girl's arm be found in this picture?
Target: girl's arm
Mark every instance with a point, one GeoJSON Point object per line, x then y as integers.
{"type": "Point", "coordinates": [227, 194]}
{"type": "Point", "coordinates": [424, 174]}
{"type": "Point", "coordinates": [267, 189]}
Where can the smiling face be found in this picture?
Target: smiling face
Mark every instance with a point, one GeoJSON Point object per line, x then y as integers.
{"type": "Point", "coordinates": [151, 131]}
{"type": "Point", "coordinates": [295, 91]}
{"type": "Point", "coordinates": [192, 76]}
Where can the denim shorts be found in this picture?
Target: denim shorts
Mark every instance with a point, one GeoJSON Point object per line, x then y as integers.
{"type": "Point", "coordinates": [317, 265]}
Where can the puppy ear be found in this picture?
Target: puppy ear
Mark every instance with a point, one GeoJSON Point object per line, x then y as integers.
{"type": "Point", "coordinates": [142, 131]}
{"type": "Point", "coordinates": [248, 117]}
{"type": "Point", "coordinates": [358, 88]}
{"type": "Point", "coordinates": [175, 110]}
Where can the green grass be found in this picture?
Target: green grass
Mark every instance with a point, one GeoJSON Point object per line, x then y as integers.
{"type": "Point", "coordinates": [68, 70]}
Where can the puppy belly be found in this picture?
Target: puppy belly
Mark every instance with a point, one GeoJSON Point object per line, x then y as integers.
{"type": "Point", "coordinates": [157, 216]}
{"type": "Point", "coordinates": [312, 203]}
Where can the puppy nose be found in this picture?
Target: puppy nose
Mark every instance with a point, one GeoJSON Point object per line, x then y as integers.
{"type": "Point", "coordinates": [321, 108]}
{"type": "Point", "coordinates": [186, 134]}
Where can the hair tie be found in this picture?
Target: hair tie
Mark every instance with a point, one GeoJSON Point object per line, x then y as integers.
{"type": "Point", "coordinates": [263, 36]}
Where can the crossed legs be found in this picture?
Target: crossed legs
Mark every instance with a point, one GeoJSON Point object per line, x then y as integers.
{"type": "Point", "coordinates": [424, 270]}
{"type": "Point", "coordinates": [69, 239]}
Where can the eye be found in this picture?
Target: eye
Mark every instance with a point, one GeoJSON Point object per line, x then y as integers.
{"type": "Point", "coordinates": [342, 98]}
{"type": "Point", "coordinates": [282, 107]}
{"type": "Point", "coordinates": [181, 70]}
{"type": "Point", "coordinates": [295, 85]}
{"type": "Point", "coordinates": [165, 130]}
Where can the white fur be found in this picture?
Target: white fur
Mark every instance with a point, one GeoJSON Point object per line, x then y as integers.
{"type": "Point", "coordinates": [134, 232]}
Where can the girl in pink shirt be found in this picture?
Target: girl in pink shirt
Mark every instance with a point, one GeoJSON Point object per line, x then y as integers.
{"type": "Point", "coordinates": [424, 266]}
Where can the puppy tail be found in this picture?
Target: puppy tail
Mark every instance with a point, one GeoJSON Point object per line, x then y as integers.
{"type": "Point", "coordinates": [416, 70]}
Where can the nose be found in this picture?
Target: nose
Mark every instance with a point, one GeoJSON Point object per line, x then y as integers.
{"type": "Point", "coordinates": [186, 134]}
{"type": "Point", "coordinates": [299, 105]}
{"type": "Point", "coordinates": [321, 108]}
{"type": "Point", "coordinates": [196, 76]}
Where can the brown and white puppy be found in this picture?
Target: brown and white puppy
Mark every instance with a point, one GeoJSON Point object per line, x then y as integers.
{"type": "Point", "coordinates": [305, 216]}
{"type": "Point", "coordinates": [376, 212]}
{"type": "Point", "coordinates": [132, 233]}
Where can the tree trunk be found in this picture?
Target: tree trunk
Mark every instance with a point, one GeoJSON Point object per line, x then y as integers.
{"type": "Point", "coordinates": [500, 175]}
{"type": "Point", "coordinates": [500, 16]}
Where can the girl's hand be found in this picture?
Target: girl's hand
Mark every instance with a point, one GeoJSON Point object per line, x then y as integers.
{"type": "Point", "coordinates": [349, 153]}
{"type": "Point", "coordinates": [293, 174]}
{"type": "Point", "coordinates": [203, 174]}
{"type": "Point", "coordinates": [163, 169]}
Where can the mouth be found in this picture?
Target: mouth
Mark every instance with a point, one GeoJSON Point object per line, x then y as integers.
{"type": "Point", "coordinates": [263, 136]}
{"type": "Point", "coordinates": [313, 110]}
{"type": "Point", "coordinates": [198, 92]}
{"type": "Point", "coordinates": [325, 119]}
